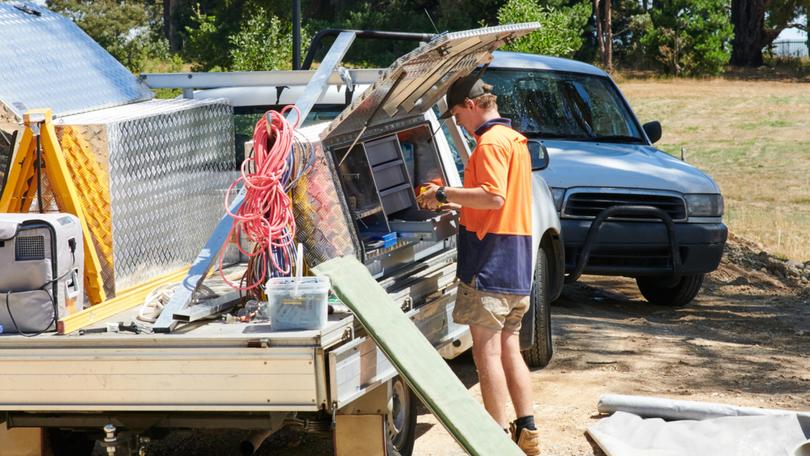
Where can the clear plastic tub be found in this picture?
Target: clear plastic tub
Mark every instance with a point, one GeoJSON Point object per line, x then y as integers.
{"type": "Point", "coordinates": [290, 311]}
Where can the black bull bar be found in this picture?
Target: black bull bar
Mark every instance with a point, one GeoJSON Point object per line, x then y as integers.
{"type": "Point", "coordinates": [528, 333]}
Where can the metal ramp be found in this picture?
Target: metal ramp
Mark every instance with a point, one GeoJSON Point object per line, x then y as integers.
{"type": "Point", "coordinates": [425, 371]}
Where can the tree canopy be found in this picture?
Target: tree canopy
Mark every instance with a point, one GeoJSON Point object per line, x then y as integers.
{"type": "Point", "coordinates": [689, 37]}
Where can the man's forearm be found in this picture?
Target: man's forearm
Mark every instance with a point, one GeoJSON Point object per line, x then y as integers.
{"type": "Point", "coordinates": [474, 198]}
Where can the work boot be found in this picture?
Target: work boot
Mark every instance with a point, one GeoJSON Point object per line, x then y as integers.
{"type": "Point", "coordinates": [529, 440]}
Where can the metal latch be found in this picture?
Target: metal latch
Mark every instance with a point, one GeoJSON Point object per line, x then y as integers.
{"type": "Point", "coordinates": [261, 343]}
{"type": "Point", "coordinates": [407, 304]}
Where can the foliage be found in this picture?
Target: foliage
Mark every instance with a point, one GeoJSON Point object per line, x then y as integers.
{"type": "Point", "coordinates": [781, 14]}
{"type": "Point", "coordinates": [208, 25]}
{"type": "Point", "coordinates": [393, 15]}
{"type": "Point", "coordinates": [680, 36]}
{"type": "Point", "coordinates": [690, 37]}
{"type": "Point", "coordinates": [263, 43]}
{"type": "Point", "coordinates": [129, 30]}
{"type": "Point", "coordinates": [203, 43]}
{"type": "Point", "coordinates": [630, 21]}
{"type": "Point", "coordinates": [465, 14]}
{"type": "Point", "coordinates": [560, 33]}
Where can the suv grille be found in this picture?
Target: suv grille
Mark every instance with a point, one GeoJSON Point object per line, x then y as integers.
{"type": "Point", "coordinates": [591, 204]}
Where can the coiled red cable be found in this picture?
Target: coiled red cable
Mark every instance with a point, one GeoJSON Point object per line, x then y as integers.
{"type": "Point", "coordinates": [265, 216]}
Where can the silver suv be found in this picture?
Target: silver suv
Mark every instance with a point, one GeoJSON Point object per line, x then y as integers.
{"type": "Point", "coordinates": [626, 208]}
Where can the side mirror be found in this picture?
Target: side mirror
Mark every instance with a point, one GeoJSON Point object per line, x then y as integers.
{"type": "Point", "coordinates": [539, 154]}
{"type": "Point", "coordinates": [653, 130]}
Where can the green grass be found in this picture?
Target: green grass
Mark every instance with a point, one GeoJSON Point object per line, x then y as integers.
{"type": "Point", "coordinates": [753, 138]}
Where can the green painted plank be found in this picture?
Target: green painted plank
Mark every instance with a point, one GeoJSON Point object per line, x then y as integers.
{"type": "Point", "coordinates": [416, 360]}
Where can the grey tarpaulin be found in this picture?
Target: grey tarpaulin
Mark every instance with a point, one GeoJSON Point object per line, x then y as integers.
{"type": "Point", "coordinates": [625, 434]}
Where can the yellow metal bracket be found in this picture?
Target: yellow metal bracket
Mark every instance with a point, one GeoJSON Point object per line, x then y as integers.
{"type": "Point", "coordinates": [124, 300]}
{"type": "Point", "coordinates": [20, 188]}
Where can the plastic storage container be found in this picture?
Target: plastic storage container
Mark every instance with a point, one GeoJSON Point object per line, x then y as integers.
{"type": "Point", "coordinates": [290, 311]}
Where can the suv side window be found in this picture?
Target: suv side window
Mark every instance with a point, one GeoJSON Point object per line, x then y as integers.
{"type": "Point", "coordinates": [456, 155]}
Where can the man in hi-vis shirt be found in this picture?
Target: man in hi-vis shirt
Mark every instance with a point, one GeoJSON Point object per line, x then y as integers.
{"type": "Point", "coordinates": [494, 253]}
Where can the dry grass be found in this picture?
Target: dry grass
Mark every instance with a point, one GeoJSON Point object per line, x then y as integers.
{"type": "Point", "coordinates": [753, 138]}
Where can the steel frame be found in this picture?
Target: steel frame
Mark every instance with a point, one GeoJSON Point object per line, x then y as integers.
{"type": "Point", "coordinates": [20, 188]}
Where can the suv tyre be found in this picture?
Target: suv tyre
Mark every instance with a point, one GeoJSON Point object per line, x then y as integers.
{"type": "Point", "coordinates": [539, 355]}
{"type": "Point", "coordinates": [657, 291]}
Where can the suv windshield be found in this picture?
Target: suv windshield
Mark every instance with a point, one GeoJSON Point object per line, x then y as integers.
{"type": "Point", "coordinates": [552, 104]}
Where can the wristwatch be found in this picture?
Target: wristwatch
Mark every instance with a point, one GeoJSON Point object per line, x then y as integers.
{"type": "Point", "coordinates": [441, 196]}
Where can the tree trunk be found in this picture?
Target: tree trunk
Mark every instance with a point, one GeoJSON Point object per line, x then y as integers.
{"type": "Point", "coordinates": [748, 18]}
{"type": "Point", "coordinates": [608, 36]}
{"type": "Point", "coordinates": [600, 42]}
{"type": "Point", "coordinates": [807, 26]}
{"type": "Point", "coordinates": [170, 24]}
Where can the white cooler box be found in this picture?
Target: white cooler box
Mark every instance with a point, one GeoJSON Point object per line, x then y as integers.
{"type": "Point", "coordinates": [41, 269]}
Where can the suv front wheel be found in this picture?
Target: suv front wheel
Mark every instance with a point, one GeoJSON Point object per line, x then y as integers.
{"type": "Point", "coordinates": [661, 290]}
{"type": "Point", "coordinates": [539, 354]}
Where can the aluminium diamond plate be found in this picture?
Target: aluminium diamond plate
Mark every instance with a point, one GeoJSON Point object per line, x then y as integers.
{"type": "Point", "coordinates": [416, 81]}
{"type": "Point", "coordinates": [46, 61]}
{"type": "Point", "coordinates": [323, 221]}
{"type": "Point", "coordinates": [169, 163]}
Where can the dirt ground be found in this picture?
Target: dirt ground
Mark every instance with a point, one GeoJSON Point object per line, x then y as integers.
{"type": "Point", "coordinates": [744, 341]}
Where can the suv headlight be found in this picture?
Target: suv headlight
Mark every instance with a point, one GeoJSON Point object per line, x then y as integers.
{"type": "Point", "coordinates": [704, 205]}
{"type": "Point", "coordinates": [559, 195]}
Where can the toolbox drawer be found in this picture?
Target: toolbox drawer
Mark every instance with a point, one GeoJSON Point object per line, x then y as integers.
{"type": "Point", "coordinates": [382, 150]}
{"type": "Point", "coordinates": [390, 175]}
{"type": "Point", "coordinates": [397, 198]}
{"type": "Point", "coordinates": [425, 226]}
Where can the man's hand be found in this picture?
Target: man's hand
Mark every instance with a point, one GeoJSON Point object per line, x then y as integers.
{"type": "Point", "coordinates": [427, 197]}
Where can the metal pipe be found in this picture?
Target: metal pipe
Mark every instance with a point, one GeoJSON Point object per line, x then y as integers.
{"type": "Point", "coordinates": [671, 409]}
{"type": "Point", "coordinates": [296, 35]}
{"type": "Point", "coordinates": [39, 172]}
{"type": "Point", "coordinates": [249, 446]}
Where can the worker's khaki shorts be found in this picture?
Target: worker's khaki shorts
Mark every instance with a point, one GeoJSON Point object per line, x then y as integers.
{"type": "Point", "coordinates": [495, 311]}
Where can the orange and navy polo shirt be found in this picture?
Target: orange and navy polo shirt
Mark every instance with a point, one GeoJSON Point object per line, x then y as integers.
{"type": "Point", "coordinates": [494, 246]}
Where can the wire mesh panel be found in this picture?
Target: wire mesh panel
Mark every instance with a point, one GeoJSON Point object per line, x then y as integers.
{"type": "Point", "coordinates": [790, 48]}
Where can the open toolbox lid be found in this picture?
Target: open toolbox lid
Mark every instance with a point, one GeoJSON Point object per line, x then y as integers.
{"type": "Point", "coordinates": [416, 81]}
{"type": "Point", "coordinates": [46, 61]}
